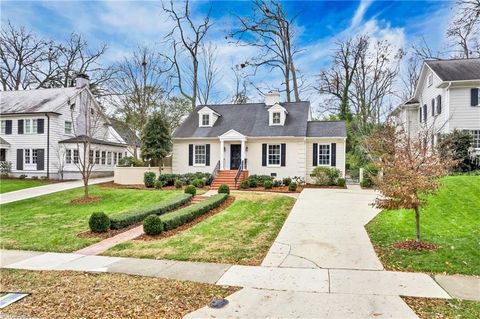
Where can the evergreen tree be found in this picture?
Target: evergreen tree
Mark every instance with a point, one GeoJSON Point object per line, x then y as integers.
{"type": "Point", "coordinates": [156, 140]}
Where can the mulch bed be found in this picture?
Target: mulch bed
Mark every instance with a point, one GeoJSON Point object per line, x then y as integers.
{"type": "Point", "coordinates": [279, 189]}
{"type": "Point", "coordinates": [175, 231]}
{"type": "Point", "coordinates": [141, 187]}
{"type": "Point", "coordinates": [414, 245]}
{"type": "Point", "coordinates": [83, 200]}
{"type": "Point", "coordinates": [321, 186]}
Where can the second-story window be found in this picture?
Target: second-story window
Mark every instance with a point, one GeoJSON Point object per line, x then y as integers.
{"type": "Point", "coordinates": [31, 126]}
{"type": "Point", "coordinates": [68, 127]}
{"type": "Point", "coordinates": [205, 119]}
{"type": "Point", "coordinates": [424, 113]}
{"type": "Point", "coordinates": [3, 126]}
{"type": "Point", "coordinates": [475, 97]}
{"type": "Point", "coordinates": [276, 118]}
{"type": "Point", "coordinates": [430, 79]}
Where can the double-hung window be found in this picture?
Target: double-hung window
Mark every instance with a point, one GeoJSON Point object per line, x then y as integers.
{"type": "Point", "coordinates": [30, 126]}
{"type": "Point", "coordinates": [274, 154]}
{"type": "Point", "coordinates": [3, 126]}
{"type": "Point", "coordinates": [324, 154]}
{"type": "Point", "coordinates": [34, 156]}
{"type": "Point", "coordinates": [475, 138]}
{"type": "Point", "coordinates": [90, 156]}
{"type": "Point", "coordinates": [68, 127]}
{"type": "Point", "coordinates": [104, 157]}
{"type": "Point", "coordinates": [75, 156]}
{"type": "Point", "coordinates": [276, 118]}
{"type": "Point", "coordinates": [26, 155]}
{"type": "Point", "coordinates": [114, 158]}
{"type": "Point", "coordinates": [205, 119]}
{"type": "Point", "coordinates": [97, 157]}
{"type": "Point", "coordinates": [68, 156]}
{"type": "Point", "coordinates": [200, 154]}
{"type": "Point", "coordinates": [109, 158]}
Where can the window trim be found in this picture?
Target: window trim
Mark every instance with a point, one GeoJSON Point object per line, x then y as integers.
{"type": "Point", "coordinates": [279, 155]}
{"type": "Point", "coordinates": [329, 154]}
{"type": "Point", "coordinates": [195, 155]}
{"type": "Point", "coordinates": [65, 127]}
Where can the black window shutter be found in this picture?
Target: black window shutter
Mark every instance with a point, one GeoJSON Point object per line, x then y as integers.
{"type": "Point", "coordinates": [283, 153]}
{"type": "Point", "coordinates": [19, 159]}
{"type": "Point", "coordinates": [333, 161]}
{"type": "Point", "coordinates": [40, 159]}
{"type": "Point", "coordinates": [20, 126]}
{"type": "Point", "coordinates": [207, 154]}
{"type": "Point", "coordinates": [40, 125]}
{"type": "Point", "coordinates": [315, 154]}
{"type": "Point", "coordinates": [8, 127]}
{"type": "Point", "coordinates": [190, 154]}
{"type": "Point", "coordinates": [433, 107]}
{"type": "Point", "coordinates": [425, 112]}
{"type": "Point", "coordinates": [439, 104]}
{"type": "Point", "coordinates": [264, 154]}
{"type": "Point", "coordinates": [474, 97]}
{"type": "Point", "coordinates": [420, 112]}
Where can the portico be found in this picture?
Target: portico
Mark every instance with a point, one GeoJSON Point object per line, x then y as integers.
{"type": "Point", "coordinates": [233, 156]}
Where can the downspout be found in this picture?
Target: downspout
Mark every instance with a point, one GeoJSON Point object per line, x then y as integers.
{"type": "Point", "coordinates": [48, 145]}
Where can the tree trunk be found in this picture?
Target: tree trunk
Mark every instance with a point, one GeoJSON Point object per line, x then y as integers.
{"type": "Point", "coordinates": [85, 187]}
{"type": "Point", "coordinates": [417, 221]}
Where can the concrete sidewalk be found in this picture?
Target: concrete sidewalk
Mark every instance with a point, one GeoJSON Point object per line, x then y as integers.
{"type": "Point", "coordinates": [47, 189]}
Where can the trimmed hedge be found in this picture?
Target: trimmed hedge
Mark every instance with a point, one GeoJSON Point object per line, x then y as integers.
{"type": "Point", "coordinates": [152, 225]}
{"type": "Point", "coordinates": [292, 187]}
{"type": "Point", "coordinates": [190, 189]}
{"type": "Point", "coordinates": [223, 189]}
{"type": "Point", "coordinates": [99, 222]}
{"type": "Point", "coordinates": [149, 179]}
{"type": "Point", "coordinates": [187, 214]}
{"type": "Point", "coordinates": [129, 218]}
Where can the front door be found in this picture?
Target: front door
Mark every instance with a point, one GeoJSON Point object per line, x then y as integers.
{"type": "Point", "coordinates": [235, 156]}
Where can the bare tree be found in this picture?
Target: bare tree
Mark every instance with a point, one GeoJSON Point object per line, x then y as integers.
{"type": "Point", "coordinates": [138, 88]}
{"type": "Point", "coordinates": [464, 31]}
{"type": "Point", "coordinates": [240, 96]}
{"type": "Point", "coordinates": [377, 68]}
{"type": "Point", "coordinates": [337, 80]}
{"type": "Point", "coordinates": [60, 153]}
{"type": "Point", "coordinates": [211, 74]}
{"type": "Point", "coordinates": [186, 37]}
{"type": "Point", "coordinates": [88, 123]}
{"type": "Point", "coordinates": [270, 30]}
{"type": "Point", "coordinates": [174, 110]}
{"type": "Point", "coordinates": [26, 59]}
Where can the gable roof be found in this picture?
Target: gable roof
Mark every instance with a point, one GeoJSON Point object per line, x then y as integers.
{"type": "Point", "coordinates": [125, 132]}
{"type": "Point", "coordinates": [326, 129]}
{"type": "Point", "coordinates": [250, 119]}
{"type": "Point", "coordinates": [456, 70]}
{"type": "Point", "coordinates": [35, 101]}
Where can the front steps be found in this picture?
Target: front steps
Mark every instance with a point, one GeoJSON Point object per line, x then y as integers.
{"type": "Point", "coordinates": [227, 177]}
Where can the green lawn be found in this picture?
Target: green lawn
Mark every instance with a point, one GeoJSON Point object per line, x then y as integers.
{"type": "Point", "coordinates": [241, 234]}
{"type": "Point", "coordinates": [427, 308]}
{"type": "Point", "coordinates": [10, 185]}
{"type": "Point", "coordinates": [51, 222]}
{"type": "Point", "coordinates": [451, 220]}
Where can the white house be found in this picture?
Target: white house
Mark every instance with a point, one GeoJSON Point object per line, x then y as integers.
{"type": "Point", "coordinates": [447, 97]}
{"type": "Point", "coordinates": [44, 131]}
{"type": "Point", "coordinates": [271, 138]}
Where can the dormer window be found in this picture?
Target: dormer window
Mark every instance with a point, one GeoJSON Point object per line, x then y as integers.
{"type": "Point", "coordinates": [205, 119]}
{"type": "Point", "coordinates": [276, 118]}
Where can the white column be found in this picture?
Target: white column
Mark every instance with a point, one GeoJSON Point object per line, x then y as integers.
{"type": "Point", "coordinates": [221, 154]}
{"type": "Point", "coordinates": [242, 152]}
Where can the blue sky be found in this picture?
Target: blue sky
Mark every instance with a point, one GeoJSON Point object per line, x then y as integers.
{"type": "Point", "coordinates": [123, 25]}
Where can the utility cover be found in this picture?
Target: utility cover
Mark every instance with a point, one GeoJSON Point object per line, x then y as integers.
{"type": "Point", "coordinates": [10, 298]}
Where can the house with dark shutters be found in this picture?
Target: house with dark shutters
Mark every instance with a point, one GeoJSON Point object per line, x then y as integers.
{"type": "Point", "coordinates": [44, 132]}
{"type": "Point", "coordinates": [271, 138]}
{"type": "Point", "coordinates": [447, 97]}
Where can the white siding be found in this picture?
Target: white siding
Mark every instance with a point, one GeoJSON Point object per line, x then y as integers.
{"type": "Point", "coordinates": [462, 115]}
{"type": "Point", "coordinates": [437, 123]}
{"type": "Point", "coordinates": [340, 158]}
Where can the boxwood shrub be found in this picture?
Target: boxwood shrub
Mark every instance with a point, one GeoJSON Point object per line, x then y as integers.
{"type": "Point", "coordinates": [178, 184]}
{"type": "Point", "coordinates": [99, 222]}
{"type": "Point", "coordinates": [199, 183]}
{"type": "Point", "coordinates": [268, 184]}
{"type": "Point", "coordinates": [182, 216]}
{"type": "Point", "coordinates": [149, 179]}
{"type": "Point", "coordinates": [129, 218]}
{"type": "Point", "coordinates": [245, 184]}
{"type": "Point", "coordinates": [292, 187]}
{"type": "Point", "coordinates": [152, 225]}
{"type": "Point", "coordinates": [190, 189]}
{"type": "Point", "coordinates": [224, 189]}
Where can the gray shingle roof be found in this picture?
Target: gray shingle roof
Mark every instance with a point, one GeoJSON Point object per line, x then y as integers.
{"type": "Point", "coordinates": [252, 120]}
{"type": "Point", "coordinates": [35, 101]}
{"type": "Point", "coordinates": [326, 129]}
{"type": "Point", "coordinates": [125, 132]}
{"type": "Point", "coordinates": [456, 70]}
{"type": "Point", "coordinates": [248, 119]}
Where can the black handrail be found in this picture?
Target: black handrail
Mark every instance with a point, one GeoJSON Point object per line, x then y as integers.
{"type": "Point", "coordinates": [239, 171]}
{"type": "Point", "coordinates": [215, 170]}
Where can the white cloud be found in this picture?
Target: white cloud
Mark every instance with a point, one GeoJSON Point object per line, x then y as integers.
{"type": "Point", "coordinates": [360, 12]}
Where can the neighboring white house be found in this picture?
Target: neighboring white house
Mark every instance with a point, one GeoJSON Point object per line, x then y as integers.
{"type": "Point", "coordinates": [43, 132]}
{"type": "Point", "coordinates": [271, 138]}
{"type": "Point", "coordinates": [447, 97]}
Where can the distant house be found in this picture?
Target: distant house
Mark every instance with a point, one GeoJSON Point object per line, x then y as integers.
{"type": "Point", "coordinates": [128, 136]}
{"type": "Point", "coordinates": [447, 97]}
{"type": "Point", "coordinates": [271, 138]}
{"type": "Point", "coordinates": [43, 132]}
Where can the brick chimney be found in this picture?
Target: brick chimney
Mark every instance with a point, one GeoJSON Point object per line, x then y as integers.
{"type": "Point", "coordinates": [272, 98]}
{"type": "Point", "coordinates": [82, 80]}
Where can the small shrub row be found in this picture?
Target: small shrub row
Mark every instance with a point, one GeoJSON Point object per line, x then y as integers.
{"type": "Point", "coordinates": [268, 182]}
{"type": "Point", "coordinates": [185, 179]}
{"type": "Point", "coordinates": [190, 189]}
{"type": "Point", "coordinates": [129, 218]}
{"type": "Point", "coordinates": [178, 218]}
{"type": "Point", "coordinates": [325, 176]}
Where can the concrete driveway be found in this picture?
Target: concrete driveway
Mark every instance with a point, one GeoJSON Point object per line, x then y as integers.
{"type": "Point", "coordinates": [325, 229]}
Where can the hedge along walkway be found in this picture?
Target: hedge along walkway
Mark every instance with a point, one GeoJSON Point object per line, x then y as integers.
{"type": "Point", "coordinates": [130, 234]}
